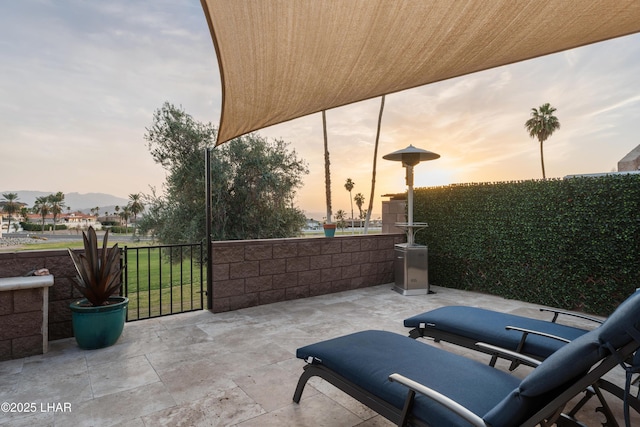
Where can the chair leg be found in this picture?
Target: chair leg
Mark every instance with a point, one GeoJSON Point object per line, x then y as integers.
{"type": "Point", "coordinates": [416, 333]}
{"type": "Point", "coordinates": [306, 374]}
{"type": "Point", "coordinates": [588, 394]}
{"type": "Point", "coordinates": [605, 409]}
{"type": "Point", "coordinates": [406, 410]}
{"type": "Point", "coordinates": [564, 421]}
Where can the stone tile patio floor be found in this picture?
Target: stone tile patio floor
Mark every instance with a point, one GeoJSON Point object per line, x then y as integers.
{"type": "Point", "coordinates": [235, 368]}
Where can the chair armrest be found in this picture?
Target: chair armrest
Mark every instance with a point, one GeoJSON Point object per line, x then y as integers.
{"type": "Point", "coordinates": [568, 313]}
{"type": "Point", "coordinates": [523, 340]}
{"type": "Point", "coordinates": [448, 403]}
{"type": "Point", "coordinates": [509, 354]}
{"type": "Point", "coordinates": [533, 332]}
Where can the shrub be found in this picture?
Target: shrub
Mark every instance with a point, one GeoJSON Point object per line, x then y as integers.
{"type": "Point", "coordinates": [569, 243]}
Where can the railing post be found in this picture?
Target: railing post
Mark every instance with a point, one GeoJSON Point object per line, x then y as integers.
{"type": "Point", "coordinates": [123, 276]}
{"type": "Point", "coordinates": [209, 221]}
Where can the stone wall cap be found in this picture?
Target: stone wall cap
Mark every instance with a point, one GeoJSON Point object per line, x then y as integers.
{"type": "Point", "coordinates": [28, 282]}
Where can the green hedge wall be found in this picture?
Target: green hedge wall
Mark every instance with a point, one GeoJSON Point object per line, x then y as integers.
{"type": "Point", "coordinates": [568, 243]}
{"type": "Point", "coordinates": [32, 226]}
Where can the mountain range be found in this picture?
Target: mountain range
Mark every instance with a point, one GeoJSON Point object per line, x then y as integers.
{"type": "Point", "coordinates": [76, 201]}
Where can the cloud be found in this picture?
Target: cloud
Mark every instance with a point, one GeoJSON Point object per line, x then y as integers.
{"type": "Point", "coordinates": [79, 82]}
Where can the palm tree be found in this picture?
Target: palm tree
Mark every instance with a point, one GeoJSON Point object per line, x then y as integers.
{"type": "Point", "coordinates": [541, 125]}
{"type": "Point", "coordinates": [373, 173]}
{"type": "Point", "coordinates": [56, 203]}
{"type": "Point", "coordinates": [125, 214]}
{"type": "Point", "coordinates": [42, 207]}
{"type": "Point", "coordinates": [117, 209]}
{"type": "Point", "coordinates": [359, 198]}
{"type": "Point", "coordinates": [340, 218]}
{"type": "Point", "coordinates": [327, 167]}
{"type": "Point", "coordinates": [349, 186]}
{"type": "Point", "coordinates": [135, 207]}
{"type": "Point", "coordinates": [10, 207]}
{"type": "Point", "coordinates": [24, 213]}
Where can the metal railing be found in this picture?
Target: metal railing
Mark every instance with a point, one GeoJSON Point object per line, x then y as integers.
{"type": "Point", "coordinates": [163, 280]}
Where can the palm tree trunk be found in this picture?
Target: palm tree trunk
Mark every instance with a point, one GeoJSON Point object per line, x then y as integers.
{"type": "Point", "coordinates": [351, 200]}
{"type": "Point", "coordinates": [544, 176]}
{"type": "Point", "coordinates": [327, 169]}
{"type": "Point", "coordinates": [373, 175]}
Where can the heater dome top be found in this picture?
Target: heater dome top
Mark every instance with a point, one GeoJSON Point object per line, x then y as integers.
{"type": "Point", "coordinates": [411, 156]}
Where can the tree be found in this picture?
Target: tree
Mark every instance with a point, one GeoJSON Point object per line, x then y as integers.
{"type": "Point", "coordinates": [541, 125]}
{"type": "Point", "coordinates": [359, 199]}
{"type": "Point", "coordinates": [24, 214]}
{"type": "Point", "coordinates": [10, 206]}
{"type": "Point", "coordinates": [42, 207]}
{"type": "Point", "coordinates": [253, 183]}
{"type": "Point", "coordinates": [373, 173]}
{"type": "Point", "coordinates": [327, 167]}
{"type": "Point", "coordinates": [135, 207]}
{"type": "Point", "coordinates": [340, 217]}
{"type": "Point", "coordinates": [349, 186]}
{"type": "Point", "coordinates": [56, 203]}
{"type": "Point", "coordinates": [125, 215]}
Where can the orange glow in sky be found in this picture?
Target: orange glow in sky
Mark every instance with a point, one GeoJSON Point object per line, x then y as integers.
{"type": "Point", "coordinates": [80, 82]}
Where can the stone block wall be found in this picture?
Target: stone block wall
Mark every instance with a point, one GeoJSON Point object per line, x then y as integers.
{"type": "Point", "coordinates": [254, 272]}
{"type": "Point", "coordinates": [246, 273]}
{"type": "Point", "coordinates": [61, 294]}
{"type": "Point", "coordinates": [393, 211]}
{"type": "Point", "coordinates": [21, 323]}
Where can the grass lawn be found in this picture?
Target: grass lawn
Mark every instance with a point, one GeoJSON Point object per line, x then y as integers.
{"type": "Point", "coordinates": [73, 244]}
{"type": "Point", "coordinates": [160, 279]}
{"type": "Point", "coordinates": [158, 282]}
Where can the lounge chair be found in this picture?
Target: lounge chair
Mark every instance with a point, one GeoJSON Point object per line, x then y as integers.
{"type": "Point", "coordinates": [409, 382]}
{"type": "Point", "coordinates": [465, 326]}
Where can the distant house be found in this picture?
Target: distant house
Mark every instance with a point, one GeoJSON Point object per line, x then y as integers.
{"type": "Point", "coordinates": [79, 220]}
{"type": "Point", "coordinates": [312, 225]}
{"type": "Point", "coordinates": [630, 162]}
{"type": "Point", "coordinates": [15, 218]}
{"type": "Point", "coordinates": [75, 220]}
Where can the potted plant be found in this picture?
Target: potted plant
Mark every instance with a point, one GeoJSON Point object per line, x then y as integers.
{"type": "Point", "coordinates": [329, 229]}
{"type": "Point", "coordinates": [98, 318]}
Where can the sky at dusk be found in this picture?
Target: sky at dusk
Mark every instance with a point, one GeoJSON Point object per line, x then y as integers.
{"type": "Point", "coordinates": [80, 81]}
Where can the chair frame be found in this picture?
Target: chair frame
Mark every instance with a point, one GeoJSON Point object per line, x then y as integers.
{"type": "Point", "coordinates": [550, 413]}
{"type": "Point", "coordinates": [424, 331]}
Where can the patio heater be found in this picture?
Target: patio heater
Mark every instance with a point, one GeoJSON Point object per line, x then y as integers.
{"type": "Point", "coordinates": [411, 260]}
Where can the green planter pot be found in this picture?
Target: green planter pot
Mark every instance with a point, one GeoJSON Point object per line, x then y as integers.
{"type": "Point", "coordinates": [98, 327]}
{"type": "Point", "coordinates": [329, 230]}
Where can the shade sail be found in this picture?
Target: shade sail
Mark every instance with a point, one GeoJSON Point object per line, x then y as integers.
{"type": "Point", "coordinates": [284, 59]}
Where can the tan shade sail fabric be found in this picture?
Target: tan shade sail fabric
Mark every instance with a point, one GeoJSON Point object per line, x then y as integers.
{"type": "Point", "coordinates": [284, 59]}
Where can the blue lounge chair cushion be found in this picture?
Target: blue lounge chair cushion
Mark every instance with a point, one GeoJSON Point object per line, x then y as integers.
{"type": "Point", "coordinates": [569, 362]}
{"type": "Point", "coordinates": [489, 326]}
{"type": "Point", "coordinates": [626, 317]}
{"type": "Point", "coordinates": [564, 365]}
{"type": "Point", "coordinates": [368, 358]}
